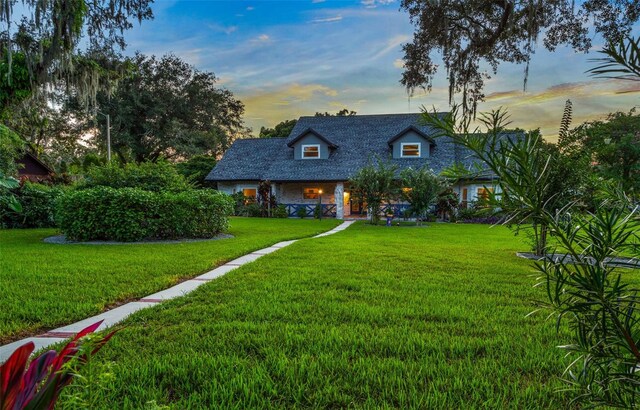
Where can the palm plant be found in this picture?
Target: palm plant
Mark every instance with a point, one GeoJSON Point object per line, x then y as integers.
{"type": "Point", "coordinates": [621, 60]}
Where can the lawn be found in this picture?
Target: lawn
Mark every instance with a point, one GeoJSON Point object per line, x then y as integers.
{"type": "Point", "coordinates": [371, 317]}
{"type": "Point", "coordinates": [46, 285]}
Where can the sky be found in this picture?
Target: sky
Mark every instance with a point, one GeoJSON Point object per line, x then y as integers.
{"type": "Point", "coordinates": [285, 59]}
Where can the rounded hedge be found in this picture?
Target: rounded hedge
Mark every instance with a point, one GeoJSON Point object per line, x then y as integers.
{"type": "Point", "coordinates": [134, 214]}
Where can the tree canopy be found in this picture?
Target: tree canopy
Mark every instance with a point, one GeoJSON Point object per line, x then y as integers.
{"type": "Point", "coordinates": [612, 147]}
{"type": "Point", "coordinates": [474, 34]}
{"type": "Point", "coordinates": [45, 40]}
{"type": "Point", "coordinates": [281, 130]}
{"type": "Point", "coordinates": [167, 108]}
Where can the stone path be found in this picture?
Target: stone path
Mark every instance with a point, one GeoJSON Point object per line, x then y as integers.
{"type": "Point", "coordinates": [113, 316]}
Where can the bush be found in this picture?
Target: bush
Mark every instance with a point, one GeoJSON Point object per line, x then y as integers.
{"type": "Point", "coordinates": [133, 214]}
{"type": "Point", "coordinates": [38, 206]}
{"type": "Point", "coordinates": [280, 212]}
{"type": "Point", "coordinates": [301, 212]}
{"type": "Point", "coordinates": [150, 176]}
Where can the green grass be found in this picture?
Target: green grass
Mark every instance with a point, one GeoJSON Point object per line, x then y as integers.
{"type": "Point", "coordinates": [46, 285]}
{"type": "Point", "coordinates": [372, 317]}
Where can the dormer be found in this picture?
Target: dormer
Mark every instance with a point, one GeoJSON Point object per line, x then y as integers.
{"type": "Point", "coordinates": [311, 145]}
{"type": "Point", "coordinates": [411, 143]}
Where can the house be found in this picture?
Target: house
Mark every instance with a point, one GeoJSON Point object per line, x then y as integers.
{"type": "Point", "coordinates": [32, 169]}
{"type": "Point", "coordinates": [315, 162]}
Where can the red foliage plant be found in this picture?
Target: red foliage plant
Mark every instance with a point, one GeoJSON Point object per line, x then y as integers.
{"type": "Point", "coordinates": [39, 385]}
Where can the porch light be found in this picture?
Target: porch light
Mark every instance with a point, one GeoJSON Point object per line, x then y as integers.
{"type": "Point", "coordinates": [320, 191]}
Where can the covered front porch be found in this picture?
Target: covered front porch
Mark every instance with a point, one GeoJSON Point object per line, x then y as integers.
{"type": "Point", "coordinates": [334, 198]}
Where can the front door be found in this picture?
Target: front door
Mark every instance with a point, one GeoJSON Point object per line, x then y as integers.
{"type": "Point", "coordinates": [357, 208]}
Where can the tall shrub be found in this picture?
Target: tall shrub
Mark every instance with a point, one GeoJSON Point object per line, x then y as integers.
{"type": "Point", "coordinates": [375, 184]}
{"type": "Point", "coordinates": [420, 189]}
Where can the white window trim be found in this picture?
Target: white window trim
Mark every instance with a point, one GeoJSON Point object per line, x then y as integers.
{"type": "Point", "coordinates": [419, 144]}
{"type": "Point", "coordinates": [310, 145]}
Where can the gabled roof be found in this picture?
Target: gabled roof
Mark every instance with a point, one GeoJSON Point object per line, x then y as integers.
{"type": "Point", "coordinates": [411, 128]}
{"type": "Point", "coordinates": [312, 132]}
{"type": "Point", "coordinates": [360, 138]}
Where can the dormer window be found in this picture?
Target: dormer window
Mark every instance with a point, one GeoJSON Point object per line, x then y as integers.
{"type": "Point", "coordinates": [311, 151]}
{"type": "Point", "coordinates": [410, 149]}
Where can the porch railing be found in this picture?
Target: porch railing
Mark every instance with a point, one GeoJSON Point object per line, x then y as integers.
{"type": "Point", "coordinates": [328, 210]}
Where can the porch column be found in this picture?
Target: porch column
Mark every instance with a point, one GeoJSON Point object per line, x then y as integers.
{"type": "Point", "coordinates": [339, 199]}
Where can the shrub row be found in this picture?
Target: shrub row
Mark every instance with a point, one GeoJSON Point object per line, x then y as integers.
{"type": "Point", "coordinates": [133, 214]}
{"type": "Point", "coordinates": [38, 206]}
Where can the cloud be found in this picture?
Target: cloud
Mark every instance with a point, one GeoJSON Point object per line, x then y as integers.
{"type": "Point", "coordinates": [327, 20]}
{"type": "Point", "coordinates": [375, 3]}
{"type": "Point", "coordinates": [398, 63]}
{"type": "Point", "coordinates": [250, 8]}
{"type": "Point", "coordinates": [392, 44]}
{"type": "Point", "coordinates": [318, 1]}
{"type": "Point", "coordinates": [263, 37]}
{"type": "Point", "coordinates": [272, 105]}
{"type": "Point", "coordinates": [223, 29]}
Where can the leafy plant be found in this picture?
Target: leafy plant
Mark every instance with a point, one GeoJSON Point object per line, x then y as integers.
{"type": "Point", "coordinates": [37, 204]}
{"type": "Point", "coordinates": [420, 190]}
{"type": "Point", "coordinates": [38, 386]}
{"type": "Point", "coordinates": [586, 291]}
{"type": "Point", "coordinates": [280, 212]}
{"type": "Point", "coordinates": [518, 160]}
{"type": "Point", "coordinates": [301, 212]}
{"type": "Point", "coordinates": [375, 185]}
{"type": "Point", "coordinates": [150, 176]}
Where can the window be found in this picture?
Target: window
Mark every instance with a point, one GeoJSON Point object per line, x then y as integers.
{"type": "Point", "coordinates": [250, 194]}
{"type": "Point", "coordinates": [311, 193]}
{"type": "Point", "coordinates": [311, 151]}
{"type": "Point", "coordinates": [483, 196]}
{"type": "Point", "coordinates": [410, 150]}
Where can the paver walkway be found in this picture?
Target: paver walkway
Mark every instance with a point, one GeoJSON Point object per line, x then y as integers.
{"type": "Point", "coordinates": [113, 316]}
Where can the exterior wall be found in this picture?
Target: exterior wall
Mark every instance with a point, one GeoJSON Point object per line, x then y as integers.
{"type": "Point", "coordinates": [233, 187]}
{"type": "Point", "coordinates": [472, 189]}
{"type": "Point", "coordinates": [310, 139]}
{"type": "Point", "coordinates": [291, 193]}
{"type": "Point", "coordinates": [411, 137]}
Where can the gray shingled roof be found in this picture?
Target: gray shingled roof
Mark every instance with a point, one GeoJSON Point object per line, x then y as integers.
{"type": "Point", "coordinates": [358, 138]}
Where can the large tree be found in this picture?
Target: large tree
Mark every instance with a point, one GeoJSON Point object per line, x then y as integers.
{"type": "Point", "coordinates": [474, 34]}
{"type": "Point", "coordinates": [167, 108]}
{"type": "Point", "coordinates": [43, 42]}
{"type": "Point", "coordinates": [612, 147]}
{"type": "Point", "coordinates": [281, 130]}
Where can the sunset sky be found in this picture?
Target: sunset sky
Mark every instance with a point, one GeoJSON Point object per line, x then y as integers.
{"type": "Point", "coordinates": [284, 59]}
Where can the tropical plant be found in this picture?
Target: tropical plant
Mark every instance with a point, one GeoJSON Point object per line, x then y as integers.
{"type": "Point", "coordinates": [375, 185]}
{"type": "Point", "coordinates": [38, 385]}
{"type": "Point", "coordinates": [586, 290]}
{"type": "Point", "coordinates": [37, 205]}
{"type": "Point", "coordinates": [621, 60]}
{"type": "Point", "coordinates": [420, 189]}
{"type": "Point", "coordinates": [447, 204]}
{"type": "Point", "coordinates": [532, 175]}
